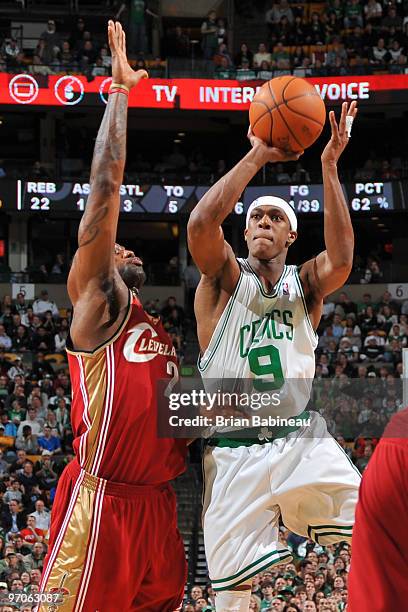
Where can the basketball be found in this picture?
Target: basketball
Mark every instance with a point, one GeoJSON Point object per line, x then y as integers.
{"type": "Point", "coordinates": [288, 113]}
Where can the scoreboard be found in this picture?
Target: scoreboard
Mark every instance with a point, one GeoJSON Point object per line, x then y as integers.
{"type": "Point", "coordinates": [71, 197]}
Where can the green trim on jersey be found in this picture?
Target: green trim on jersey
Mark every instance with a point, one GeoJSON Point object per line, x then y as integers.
{"type": "Point", "coordinates": [317, 528]}
{"type": "Point", "coordinates": [281, 432]}
{"type": "Point", "coordinates": [221, 332]}
{"type": "Point", "coordinates": [275, 557]}
{"type": "Point", "coordinates": [276, 288]}
{"type": "Point", "coordinates": [302, 295]}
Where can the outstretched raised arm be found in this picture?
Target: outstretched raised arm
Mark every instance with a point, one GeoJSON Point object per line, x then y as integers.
{"type": "Point", "coordinates": [93, 265]}
{"type": "Point", "coordinates": [95, 287]}
{"type": "Point", "coordinates": [331, 268]}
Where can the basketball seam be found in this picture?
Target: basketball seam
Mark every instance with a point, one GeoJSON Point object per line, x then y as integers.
{"type": "Point", "coordinates": [304, 95]}
{"type": "Point", "coordinates": [263, 114]}
{"type": "Point", "coordinates": [286, 102]}
{"type": "Point", "coordinates": [282, 117]}
{"type": "Point", "coordinates": [305, 116]}
{"type": "Point", "coordinates": [287, 84]}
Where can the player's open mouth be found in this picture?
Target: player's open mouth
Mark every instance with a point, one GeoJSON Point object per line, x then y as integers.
{"type": "Point", "coordinates": [136, 261]}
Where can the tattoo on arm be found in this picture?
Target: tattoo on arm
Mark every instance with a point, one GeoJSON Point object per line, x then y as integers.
{"type": "Point", "coordinates": [107, 170]}
{"type": "Point", "coordinates": [90, 229]}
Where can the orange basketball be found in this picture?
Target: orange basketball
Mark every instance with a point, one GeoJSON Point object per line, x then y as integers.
{"type": "Point", "coordinates": [287, 112]}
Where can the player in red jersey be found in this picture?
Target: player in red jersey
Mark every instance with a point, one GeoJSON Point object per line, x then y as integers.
{"type": "Point", "coordinates": [378, 580]}
{"type": "Point", "coordinates": [114, 543]}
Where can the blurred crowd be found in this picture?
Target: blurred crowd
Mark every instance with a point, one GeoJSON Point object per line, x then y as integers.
{"type": "Point", "coordinates": [359, 343]}
{"type": "Point", "coordinates": [316, 581]}
{"type": "Point", "coordinates": [322, 39]}
{"type": "Point", "coordinates": [309, 39]}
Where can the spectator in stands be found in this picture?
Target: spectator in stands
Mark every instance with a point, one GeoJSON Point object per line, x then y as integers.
{"type": "Point", "coordinates": [27, 441]}
{"type": "Point", "coordinates": [43, 303]}
{"type": "Point", "coordinates": [13, 518]}
{"type": "Point", "coordinates": [42, 515]}
{"type": "Point", "coordinates": [222, 54]}
{"type": "Point", "coordinates": [41, 366]}
{"type": "Point", "coordinates": [30, 483]}
{"type": "Point", "coordinates": [67, 59]}
{"type": "Point", "coordinates": [297, 56]}
{"type": "Point", "coordinates": [15, 566]}
{"type": "Point", "coordinates": [32, 420]}
{"type": "Point", "coordinates": [315, 34]}
{"type": "Point", "coordinates": [87, 56]}
{"type": "Point", "coordinates": [280, 55]}
{"type": "Point", "coordinates": [379, 55]}
{"type": "Point", "coordinates": [42, 340]}
{"type": "Point", "coordinates": [392, 20]}
{"type": "Point", "coordinates": [373, 273]}
{"type": "Point", "coordinates": [5, 340]}
{"type": "Point", "coordinates": [353, 14]}
{"type": "Point", "coordinates": [274, 15]}
{"type": "Point", "coordinates": [9, 49]}
{"type": "Point", "coordinates": [49, 443]}
{"type": "Point", "coordinates": [31, 534]}
{"type": "Point", "coordinates": [262, 55]}
{"type": "Point", "coordinates": [373, 12]}
{"type": "Point", "coordinates": [244, 53]}
{"type": "Point", "coordinates": [221, 32]}
{"type": "Point", "coordinates": [13, 492]}
{"type": "Point", "coordinates": [21, 340]}
{"type": "Point", "coordinates": [46, 475]}
{"type": "Point", "coordinates": [245, 73]}
{"type": "Point", "coordinates": [51, 41]}
{"type": "Point", "coordinates": [196, 592]}
{"type": "Point", "coordinates": [337, 52]}
{"type": "Point", "coordinates": [60, 337]}
{"type": "Point", "coordinates": [35, 558]}
{"type": "Point", "coordinates": [362, 462]}
{"type": "Point", "coordinates": [209, 35]}
{"type": "Point", "coordinates": [17, 369]}
{"type": "Point", "coordinates": [298, 33]}
{"type": "Point", "coordinates": [22, 549]}
{"type": "Point", "coordinates": [107, 63]}
{"type": "Point", "coordinates": [265, 72]}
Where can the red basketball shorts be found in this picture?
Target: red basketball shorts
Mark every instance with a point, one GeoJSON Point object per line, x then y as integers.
{"type": "Point", "coordinates": [113, 547]}
{"type": "Point", "coordinates": [378, 580]}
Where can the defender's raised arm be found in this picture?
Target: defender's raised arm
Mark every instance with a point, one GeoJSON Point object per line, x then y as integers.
{"type": "Point", "coordinates": [93, 265]}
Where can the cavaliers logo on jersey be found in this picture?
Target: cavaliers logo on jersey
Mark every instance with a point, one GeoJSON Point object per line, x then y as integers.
{"type": "Point", "coordinates": [143, 344]}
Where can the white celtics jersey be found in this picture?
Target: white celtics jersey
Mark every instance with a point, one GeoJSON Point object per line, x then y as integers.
{"type": "Point", "coordinates": [264, 337]}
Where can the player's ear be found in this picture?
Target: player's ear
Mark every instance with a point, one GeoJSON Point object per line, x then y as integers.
{"type": "Point", "coordinates": [245, 234]}
{"type": "Point", "coordinates": [291, 239]}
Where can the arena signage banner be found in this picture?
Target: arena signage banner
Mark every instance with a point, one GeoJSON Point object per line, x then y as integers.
{"type": "Point", "coordinates": [189, 94]}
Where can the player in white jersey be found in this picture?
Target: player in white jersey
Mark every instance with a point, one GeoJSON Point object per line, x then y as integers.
{"type": "Point", "coordinates": [256, 319]}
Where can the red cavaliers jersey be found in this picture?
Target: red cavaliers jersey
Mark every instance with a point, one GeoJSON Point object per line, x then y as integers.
{"type": "Point", "coordinates": [114, 411]}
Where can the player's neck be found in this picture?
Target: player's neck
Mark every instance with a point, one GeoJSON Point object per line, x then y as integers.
{"type": "Point", "coordinates": [268, 270]}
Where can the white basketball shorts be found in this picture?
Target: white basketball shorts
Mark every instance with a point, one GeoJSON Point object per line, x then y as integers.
{"type": "Point", "coordinates": [305, 478]}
